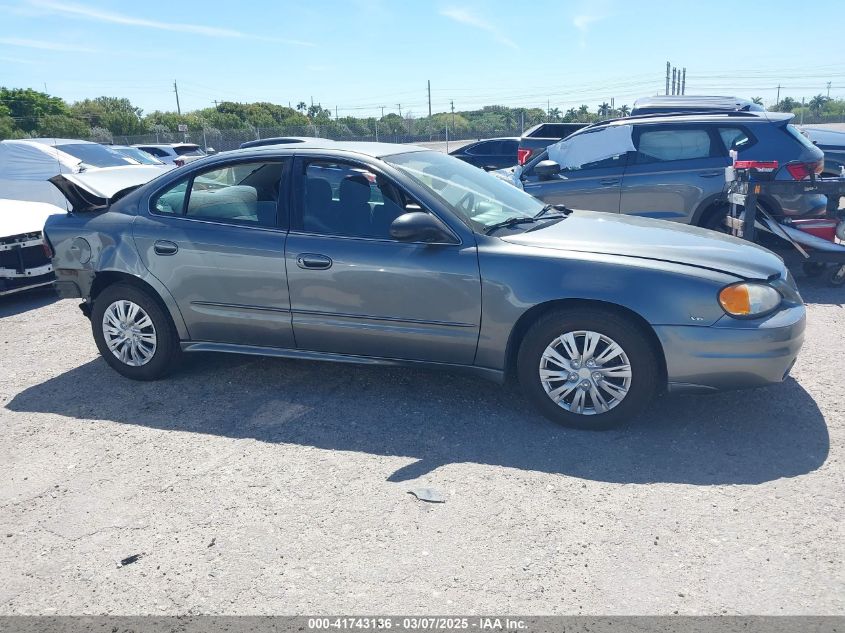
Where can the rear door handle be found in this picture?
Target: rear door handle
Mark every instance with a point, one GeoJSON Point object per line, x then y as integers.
{"type": "Point", "coordinates": [609, 181]}
{"type": "Point", "coordinates": [165, 247]}
{"type": "Point", "coordinates": [312, 261]}
{"type": "Point", "coordinates": [710, 174]}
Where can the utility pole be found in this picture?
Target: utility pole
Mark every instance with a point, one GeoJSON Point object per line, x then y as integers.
{"type": "Point", "coordinates": [668, 66]}
{"type": "Point", "coordinates": [452, 103]}
{"type": "Point", "coordinates": [399, 105]}
{"type": "Point", "coordinates": [777, 101]}
{"type": "Point", "coordinates": [335, 113]}
{"type": "Point", "coordinates": [684, 82]}
{"type": "Point", "coordinates": [548, 109]}
{"type": "Point", "coordinates": [828, 90]}
{"type": "Point", "coordinates": [802, 111]}
{"type": "Point", "coordinates": [429, 98]}
{"type": "Point", "coordinates": [217, 107]}
{"type": "Point", "coordinates": [176, 90]}
{"type": "Point", "coordinates": [674, 72]}
{"type": "Point", "coordinates": [522, 122]}
{"type": "Point", "coordinates": [382, 111]}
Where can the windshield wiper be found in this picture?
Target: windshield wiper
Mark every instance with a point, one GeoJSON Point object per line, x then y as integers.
{"type": "Point", "coordinates": [563, 209]}
{"type": "Point", "coordinates": [510, 222]}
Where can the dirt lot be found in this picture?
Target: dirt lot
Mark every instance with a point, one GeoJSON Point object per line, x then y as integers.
{"type": "Point", "coordinates": [270, 486]}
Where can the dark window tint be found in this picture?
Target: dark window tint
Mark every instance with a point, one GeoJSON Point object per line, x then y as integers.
{"type": "Point", "coordinates": [188, 150]}
{"type": "Point", "coordinates": [486, 148]}
{"type": "Point", "coordinates": [665, 145]}
{"type": "Point", "coordinates": [735, 138]}
{"type": "Point", "coordinates": [242, 193]}
{"type": "Point", "coordinates": [96, 155]}
{"type": "Point", "coordinates": [344, 199]}
{"type": "Point", "coordinates": [509, 147]}
{"type": "Point", "coordinates": [155, 151]}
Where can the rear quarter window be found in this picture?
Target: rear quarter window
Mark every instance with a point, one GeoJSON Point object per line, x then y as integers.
{"type": "Point", "coordinates": [795, 133]}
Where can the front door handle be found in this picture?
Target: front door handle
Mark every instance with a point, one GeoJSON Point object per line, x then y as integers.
{"type": "Point", "coordinates": [312, 261]}
{"type": "Point", "coordinates": [609, 181]}
{"type": "Point", "coordinates": [165, 247]}
{"type": "Point", "coordinates": [710, 174]}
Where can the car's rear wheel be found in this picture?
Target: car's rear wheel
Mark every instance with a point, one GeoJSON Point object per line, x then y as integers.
{"type": "Point", "coordinates": [133, 333]}
{"type": "Point", "coordinates": [588, 368]}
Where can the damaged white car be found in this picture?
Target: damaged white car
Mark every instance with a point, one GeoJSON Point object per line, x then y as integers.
{"type": "Point", "coordinates": [24, 254]}
{"type": "Point", "coordinates": [24, 261]}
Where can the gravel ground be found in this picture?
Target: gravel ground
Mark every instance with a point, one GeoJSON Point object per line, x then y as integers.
{"type": "Point", "coordinates": [257, 486]}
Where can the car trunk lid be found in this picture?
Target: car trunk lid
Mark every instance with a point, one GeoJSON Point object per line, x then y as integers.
{"type": "Point", "coordinates": [95, 190]}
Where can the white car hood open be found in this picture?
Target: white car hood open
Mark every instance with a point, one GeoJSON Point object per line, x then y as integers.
{"type": "Point", "coordinates": [18, 217]}
{"type": "Point", "coordinates": [94, 189]}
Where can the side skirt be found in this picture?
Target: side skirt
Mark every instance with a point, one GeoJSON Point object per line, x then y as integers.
{"type": "Point", "coordinates": [494, 375]}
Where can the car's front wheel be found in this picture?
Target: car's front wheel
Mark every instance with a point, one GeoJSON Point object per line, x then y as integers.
{"type": "Point", "coordinates": [588, 368]}
{"type": "Point", "coordinates": [133, 333]}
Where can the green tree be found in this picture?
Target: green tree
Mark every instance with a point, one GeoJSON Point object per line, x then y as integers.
{"type": "Point", "coordinates": [27, 107]}
{"type": "Point", "coordinates": [817, 104]}
{"type": "Point", "coordinates": [62, 125]}
{"type": "Point", "coordinates": [604, 109]}
{"type": "Point", "coordinates": [554, 114]}
{"type": "Point", "coordinates": [624, 110]}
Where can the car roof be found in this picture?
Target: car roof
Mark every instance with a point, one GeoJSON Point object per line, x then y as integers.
{"type": "Point", "coordinates": [374, 150]}
{"type": "Point", "coordinates": [712, 102]}
{"type": "Point", "coordinates": [165, 145]}
{"type": "Point", "coordinates": [694, 117]}
{"type": "Point", "coordinates": [57, 141]}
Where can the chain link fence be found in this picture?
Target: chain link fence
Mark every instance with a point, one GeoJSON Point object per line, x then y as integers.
{"type": "Point", "coordinates": [223, 140]}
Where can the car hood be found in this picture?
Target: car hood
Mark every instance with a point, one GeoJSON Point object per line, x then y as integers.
{"type": "Point", "coordinates": [95, 189]}
{"type": "Point", "coordinates": [18, 217]}
{"type": "Point", "coordinates": [658, 240]}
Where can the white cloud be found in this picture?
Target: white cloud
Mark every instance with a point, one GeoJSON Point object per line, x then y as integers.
{"type": "Point", "coordinates": [584, 20]}
{"type": "Point", "coordinates": [465, 16]}
{"type": "Point", "coordinates": [98, 15]}
{"type": "Point", "coordinates": [44, 45]}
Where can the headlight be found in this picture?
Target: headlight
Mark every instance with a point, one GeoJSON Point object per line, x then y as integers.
{"type": "Point", "coordinates": [749, 299]}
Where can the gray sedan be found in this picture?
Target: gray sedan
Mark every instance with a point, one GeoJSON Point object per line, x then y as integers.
{"type": "Point", "coordinates": [391, 254]}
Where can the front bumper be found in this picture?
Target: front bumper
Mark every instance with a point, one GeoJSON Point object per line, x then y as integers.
{"type": "Point", "coordinates": [732, 354]}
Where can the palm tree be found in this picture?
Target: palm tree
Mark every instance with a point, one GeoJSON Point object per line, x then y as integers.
{"type": "Point", "coordinates": [604, 109]}
{"type": "Point", "coordinates": [571, 113]}
{"type": "Point", "coordinates": [583, 109]}
{"type": "Point", "coordinates": [624, 110]}
{"type": "Point", "coordinates": [787, 104]}
{"type": "Point", "coordinates": [757, 100]}
{"type": "Point", "coordinates": [554, 114]}
{"type": "Point", "coordinates": [302, 106]}
{"type": "Point", "coordinates": [817, 103]}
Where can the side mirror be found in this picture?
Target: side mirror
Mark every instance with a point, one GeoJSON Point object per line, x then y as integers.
{"type": "Point", "coordinates": [546, 169]}
{"type": "Point", "coordinates": [418, 226]}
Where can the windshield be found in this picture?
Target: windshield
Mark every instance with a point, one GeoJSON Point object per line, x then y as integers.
{"type": "Point", "coordinates": [138, 155]}
{"type": "Point", "coordinates": [475, 196]}
{"type": "Point", "coordinates": [188, 150]}
{"type": "Point", "coordinates": [96, 155]}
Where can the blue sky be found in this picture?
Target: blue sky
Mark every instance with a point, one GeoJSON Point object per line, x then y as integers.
{"type": "Point", "coordinates": [359, 55]}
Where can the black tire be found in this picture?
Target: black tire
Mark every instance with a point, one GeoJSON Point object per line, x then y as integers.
{"type": "Point", "coordinates": [166, 350]}
{"type": "Point", "coordinates": [645, 379]}
{"type": "Point", "coordinates": [836, 277]}
{"type": "Point", "coordinates": [714, 219]}
{"type": "Point", "coordinates": [813, 269]}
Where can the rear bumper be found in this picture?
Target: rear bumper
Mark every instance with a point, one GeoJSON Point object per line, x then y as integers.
{"type": "Point", "coordinates": [732, 354]}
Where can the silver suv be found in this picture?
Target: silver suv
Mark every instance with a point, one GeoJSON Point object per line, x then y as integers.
{"type": "Point", "coordinates": [671, 166]}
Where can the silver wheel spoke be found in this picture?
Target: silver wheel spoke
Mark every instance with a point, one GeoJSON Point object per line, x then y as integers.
{"type": "Point", "coordinates": [620, 371]}
{"type": "Point", "coordinates": [614, 390]}
{"type": "Point", "coordinates": [591, 342]}
{"type": "Point", "coordinates": [553, 355]}
{"type": "Point", "coordinates": [554, 374]}
{"type": "Point", "coordinates": [599, 403]}
{"type": "Point", "coordinates": [613, 350]}
{"type": "Point", "coordinates": [577, 405]}
{"type": "Point", "coordinates": [570, 346]}
{"type": "Point", "coordinates": [561, 392]}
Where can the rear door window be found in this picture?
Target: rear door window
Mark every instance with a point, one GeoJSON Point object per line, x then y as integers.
{"type": "Point", "coordinates": [240, 193]}
{"type": "Point", "coordinates": [665, 144]}
{"type": "Point", "coordinates": [795, 133]}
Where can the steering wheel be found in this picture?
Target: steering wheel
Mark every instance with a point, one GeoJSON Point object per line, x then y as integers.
{"type": "Point", "coordinates": [467, 203]}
